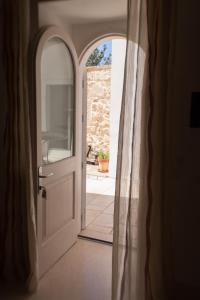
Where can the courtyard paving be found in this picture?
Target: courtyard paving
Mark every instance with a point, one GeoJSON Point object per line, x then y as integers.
{"type": "Point", "coordinates": [99, 205]}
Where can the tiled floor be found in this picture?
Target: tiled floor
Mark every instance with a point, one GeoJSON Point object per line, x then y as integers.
{"type": "Point", "coordinates": [99, 206]}
{"type": "Point", "coordinates": [83, 273]}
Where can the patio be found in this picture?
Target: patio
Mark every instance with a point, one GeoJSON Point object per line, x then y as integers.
{"type": "Point", "coordinates": [99, 205]}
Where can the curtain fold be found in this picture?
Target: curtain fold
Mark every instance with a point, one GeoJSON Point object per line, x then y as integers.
{"type": "Point", "coordinates": [18, 254]}
{"type": "Point", "coordinates": [162, 18]}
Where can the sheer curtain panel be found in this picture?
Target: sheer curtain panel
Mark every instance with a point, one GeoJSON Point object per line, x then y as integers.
{"type": "Point", "coordinates": [138, 271]}
{"type": "Point", "coordinates": [131, 201]}
{"type": "Point", "coordinates": [142, 266]}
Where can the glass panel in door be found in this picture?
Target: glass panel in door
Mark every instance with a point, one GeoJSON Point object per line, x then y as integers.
{"type": "Point", "coordinates": [58, 102]}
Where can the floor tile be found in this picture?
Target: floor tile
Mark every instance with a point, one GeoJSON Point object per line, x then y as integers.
{"type": "Point", "coordinates": [108, 198]}
{"type": "Point", "coordinates": [109, 209]}
{"type": "Point", "coordinates": [105, 219]}
{"type": "Point", "coordinates": [91, 196]}
{"type": "Point", "coordinates": [89, 219]}
{"type": "Point", "coordinates": [100, 198]}
{"type": "Point", "coordinates": [101, 229]}
{"type": "Point", "coordinates": [83, 273]}
{"type": "Point", "coordinates": [92, 213]}
{"type": "Point", "coordinates": [95, 207]}
{"type": "Point", "coordinates": [100, 203]}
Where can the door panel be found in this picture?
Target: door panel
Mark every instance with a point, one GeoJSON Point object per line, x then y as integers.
{"type": "Point", "coordinates": [60, 212]}
{"type": "Point", "coordinates": [59, 147]}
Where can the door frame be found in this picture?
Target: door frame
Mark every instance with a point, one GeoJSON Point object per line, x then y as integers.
{"type": "Point", "coordinates": [90, 47]}
{"type": "Point", "coordinates": [84, 145]}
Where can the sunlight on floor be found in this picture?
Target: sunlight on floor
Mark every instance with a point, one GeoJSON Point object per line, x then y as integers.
{"type": "Point", "coordinates": [83, 273]}
{"type": "Point", "coordinates": [99, 207]}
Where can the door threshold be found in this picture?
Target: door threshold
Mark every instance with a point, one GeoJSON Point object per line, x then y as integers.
{"type": "Point", "coordinates": [84, 237]}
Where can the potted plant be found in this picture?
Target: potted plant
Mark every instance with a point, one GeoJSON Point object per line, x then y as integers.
{"type": "Point", "coordinates": [103, 159]}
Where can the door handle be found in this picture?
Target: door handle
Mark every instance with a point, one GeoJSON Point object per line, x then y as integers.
{"type": "Point", "coordinates": [40, 176]}
{"type": "Point", "coordinates": [43, 190]}
{"type": "Point", "coordinates": [46, 176]}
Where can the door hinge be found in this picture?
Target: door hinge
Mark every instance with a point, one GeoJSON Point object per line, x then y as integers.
{"type": "Point", "coordinates": [83, 83]}
{"type": "Point", "coordinates": [82, 118]}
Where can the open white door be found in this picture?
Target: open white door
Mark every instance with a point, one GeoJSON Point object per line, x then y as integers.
{"type": "Point", "coordinates": [59, 147]}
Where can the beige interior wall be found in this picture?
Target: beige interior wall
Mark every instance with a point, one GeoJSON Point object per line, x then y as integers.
{"type": "Point", "coordinates": [47, 17]}
{"type": "Point", "coordinates": [82, 35]}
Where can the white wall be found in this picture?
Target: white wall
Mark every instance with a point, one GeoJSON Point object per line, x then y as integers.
{"type": "Point", "coordinates": [117, 75]}
{"type": "Point", "coordinates": [82, 35]}
{"type": "Point", "coordinates": [85, 34]}
{"type": "Point", "coordinates": [47, 17]}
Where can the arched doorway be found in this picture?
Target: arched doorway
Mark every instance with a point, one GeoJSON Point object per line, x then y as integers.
{"type": "Point", "coordinates": [101, 93]}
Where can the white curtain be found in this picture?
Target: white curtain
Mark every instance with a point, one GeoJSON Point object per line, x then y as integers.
{"type": "Point", "coordinates": [141, 263]}
{"type": "Point", "coordinates": [129, 248]}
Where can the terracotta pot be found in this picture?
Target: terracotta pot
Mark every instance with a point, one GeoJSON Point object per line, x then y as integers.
{"type": "Point", "coordinates": [103, 165]}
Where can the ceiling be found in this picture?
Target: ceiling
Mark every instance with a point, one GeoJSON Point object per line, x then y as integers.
{"type": "Point", "coordinates": [86, 11]}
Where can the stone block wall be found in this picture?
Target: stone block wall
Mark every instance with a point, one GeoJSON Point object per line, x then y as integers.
{"type": "Point", "coordinates": [98, 107]}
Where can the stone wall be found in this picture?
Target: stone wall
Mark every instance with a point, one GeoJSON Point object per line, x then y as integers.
{"type": "Point", "coordinates": [98, 107]}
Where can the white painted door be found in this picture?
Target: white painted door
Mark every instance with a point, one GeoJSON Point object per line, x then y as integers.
{"type": "Point", "coordinates": [58, 143]}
